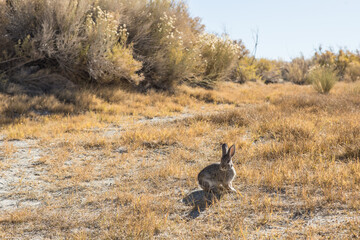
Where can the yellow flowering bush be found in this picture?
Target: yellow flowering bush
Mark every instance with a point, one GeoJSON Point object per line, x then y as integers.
{"type": "Point", "coordinates": [246, 70]}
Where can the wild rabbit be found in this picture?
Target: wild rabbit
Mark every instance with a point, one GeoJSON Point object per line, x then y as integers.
{"type": "Point", "coordinates": [219, 176]}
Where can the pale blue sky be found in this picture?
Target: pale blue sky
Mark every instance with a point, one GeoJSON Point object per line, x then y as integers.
{"type": "Point", "coordinates": [286, 28]}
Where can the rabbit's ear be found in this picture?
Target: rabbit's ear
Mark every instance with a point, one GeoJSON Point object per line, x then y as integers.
{"type": "Point", "coordinates": [232, 150]}
{"type": "Point", "coordinates": [224, 149]}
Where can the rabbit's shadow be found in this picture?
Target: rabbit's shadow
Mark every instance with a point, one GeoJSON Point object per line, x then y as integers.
{"type": "Point", "coordinates": [200, 200]}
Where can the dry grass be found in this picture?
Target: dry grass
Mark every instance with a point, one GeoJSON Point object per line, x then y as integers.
{"type": "Point", "coordinates": [121, 169]}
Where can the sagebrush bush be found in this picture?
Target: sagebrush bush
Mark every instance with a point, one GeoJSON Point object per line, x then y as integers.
{"type": "Point", "coordinates": [297, 70]}
{"type": "Point", "coordinates": [264, 65]}
{"type": "Point", "coordinates": [343, 62]}
{"type": "Point", "coordinates": [147, 43]}
{"type": "Point", "coordinates": [142, 43]}
{"type": "Point", "coordinates": [268, 70]}
{"type": "Point", "coordinates": [324, 58]}
{"type": "Point", "coordinates": [163, 35]}
{"type": "Point", "coordinates": [245, 70]}
{"type": "Point", "coordinates": [323, 79]}
{"type": "Point", "coordinates": [220, 56]}
{"type": "Point", "coordinates": [79, 38]}
{"type": "Point", "coordinates": [352, 71]}
{"type": "Point", "coordinates": [105, 41]}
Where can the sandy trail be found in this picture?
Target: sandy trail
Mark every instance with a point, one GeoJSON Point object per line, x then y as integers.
{"type": "Point", "coordinates": [20, 174]}
{"type": "Point", "coordinates": [22, 166]}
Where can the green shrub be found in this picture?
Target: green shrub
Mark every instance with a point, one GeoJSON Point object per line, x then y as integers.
{"type": "Point", "coordinates": [323, 78]}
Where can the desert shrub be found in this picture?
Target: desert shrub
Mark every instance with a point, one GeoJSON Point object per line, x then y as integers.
{"type": "Point", "coordinates": [147, 43]}
{"type": "Point", "coordinates": [323, 78]}
{"type": "Point", "coordinates": [220, 56]}
{"type": "Point", "coordinates": [3, 82]}
{"type": "Point", "coordinates": [324, 59]}
{"type": "Point", "coordinates": [269, 70]}
{"type": "Point", "coordinates": [3, 23]}
{"type": "Point", "coordinates": [245, 70]}
{"type": "Point", "coordinates": [77, 37]}
{"type": "Point", "coordinates": [343, 62]}
{"type": "Point", "coordinates": [163, 35]}
{"type": "Point", "coordinates": [108, 56]}
{"type": "Point", "coordinates": [264, 65]}
{"type": "Point", "coordinates": [352, 71]}
{"type": "Point", "coordinates": [296, 71]}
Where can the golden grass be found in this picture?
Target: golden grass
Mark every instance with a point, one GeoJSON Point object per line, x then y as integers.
{"type": "Point", "coordinates": [121, 169]}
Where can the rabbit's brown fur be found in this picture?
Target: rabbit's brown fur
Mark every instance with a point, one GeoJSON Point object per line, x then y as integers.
{"type": "Point", "coordinates": [219, 176]}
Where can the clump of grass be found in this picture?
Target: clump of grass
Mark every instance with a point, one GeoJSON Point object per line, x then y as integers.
{"type": "Point", "coordinates": [356, 88]}
{"type": "Point", "coordinates": [323, 79]}
{"type": "Point", "coordinates": [66, 102]}
{"type": "Point", "coordinates": [230, 118]}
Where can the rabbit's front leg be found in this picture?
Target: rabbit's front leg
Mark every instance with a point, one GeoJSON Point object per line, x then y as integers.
{"type": "Point", "coordinates": [230, 187]}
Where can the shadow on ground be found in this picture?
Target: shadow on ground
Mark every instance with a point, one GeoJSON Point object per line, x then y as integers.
{"type": "Point", "coordinates": [200, 200]}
